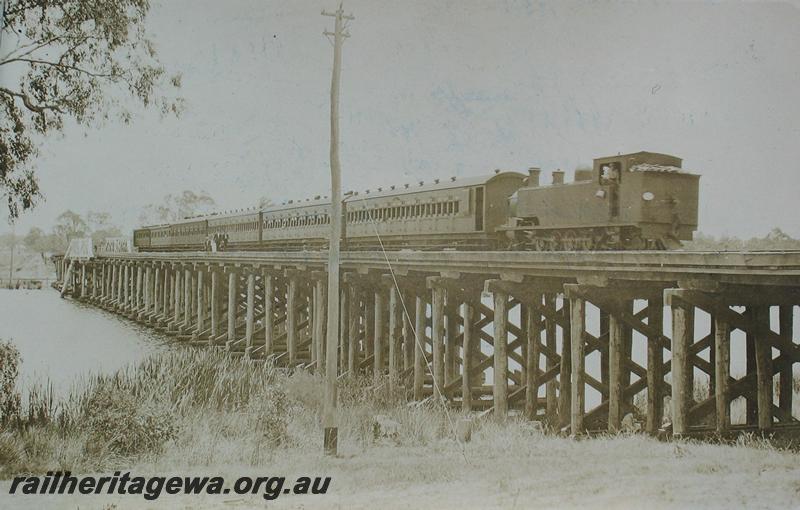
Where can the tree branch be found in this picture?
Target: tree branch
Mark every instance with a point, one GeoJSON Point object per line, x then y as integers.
{"type": "Point", "coordinates": [65, 66]}
{"type": "Point", "coordinates": [28, 49]}
{"type": "Point", "coordinates": [41, 109]}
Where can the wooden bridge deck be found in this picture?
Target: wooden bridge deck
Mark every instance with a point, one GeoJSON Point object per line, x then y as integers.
{"type": "Point", "coordinates": [751, 267]}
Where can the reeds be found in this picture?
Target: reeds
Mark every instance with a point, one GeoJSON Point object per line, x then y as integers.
{"type": "Point", "coordinates": [190, 407]}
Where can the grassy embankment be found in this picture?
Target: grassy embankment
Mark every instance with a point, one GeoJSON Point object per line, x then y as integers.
{"type": "Point", "coordinates": [202, 411]}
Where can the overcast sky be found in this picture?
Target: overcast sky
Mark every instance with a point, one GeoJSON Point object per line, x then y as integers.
{"type": "Point", "coordinates": [435, 89]}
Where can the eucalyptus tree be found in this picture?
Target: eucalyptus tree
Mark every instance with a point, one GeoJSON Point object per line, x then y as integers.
{"type": "Point", "coordinates": [63, 60]}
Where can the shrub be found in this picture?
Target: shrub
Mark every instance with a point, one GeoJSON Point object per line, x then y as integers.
{"type": "Point", "coordinates": [273, 416]}
{"type": "Point", "coordinates": [305, 389]}
{"type": "Point", "coordinates": [119, 424]}
{"type": "Point", "coordinates": [10, 454]}
{"type": "Point", "coordinates": [9, 370]}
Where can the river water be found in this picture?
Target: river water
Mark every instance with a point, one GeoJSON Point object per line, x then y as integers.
{"type": "Point", "coordinates": [61, 340]}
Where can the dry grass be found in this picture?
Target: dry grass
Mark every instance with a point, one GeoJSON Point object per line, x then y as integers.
{"type": "Point", "coordinates": [231, 417]}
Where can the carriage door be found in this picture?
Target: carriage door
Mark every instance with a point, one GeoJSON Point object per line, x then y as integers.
{"type": "Point", "coordinates": [610, 176]}
{"type": "Point", "coordinates": [479, 208]}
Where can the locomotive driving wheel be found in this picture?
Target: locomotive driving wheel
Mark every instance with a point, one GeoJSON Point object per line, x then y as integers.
{"type": "Point", "coordinates": [539, 244]}
{"type": "Point", "coordinates": [587, 244]}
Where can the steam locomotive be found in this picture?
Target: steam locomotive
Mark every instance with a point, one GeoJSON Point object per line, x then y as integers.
{"type": "Point", "coordinates": [625, 202]}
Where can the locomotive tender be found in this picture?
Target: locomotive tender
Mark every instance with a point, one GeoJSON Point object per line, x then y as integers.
{"type": "Point", "coordinates": [632, 201]}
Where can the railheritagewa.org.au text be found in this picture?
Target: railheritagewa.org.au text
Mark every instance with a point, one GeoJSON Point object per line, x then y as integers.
{"type": "Point", "coordinates": [152, 487]}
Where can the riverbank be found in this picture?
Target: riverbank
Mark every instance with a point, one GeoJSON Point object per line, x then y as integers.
{"type": "Point", "coordinates": [30, 270]}
{"type": "Point", "coordinates": [194, 412]}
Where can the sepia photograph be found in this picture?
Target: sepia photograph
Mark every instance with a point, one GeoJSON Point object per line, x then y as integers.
{"type": "Point", "coordinates": [429, 254]}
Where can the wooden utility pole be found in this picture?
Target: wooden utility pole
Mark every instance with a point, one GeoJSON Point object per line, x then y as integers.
{"type": "Point", "coordinates": [332, 335]}
{"type": "Point", "coordinates": [13, 247]}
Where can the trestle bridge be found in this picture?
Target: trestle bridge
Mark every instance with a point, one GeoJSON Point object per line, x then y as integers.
{"type": "Point", "coordinates": [577, 340]}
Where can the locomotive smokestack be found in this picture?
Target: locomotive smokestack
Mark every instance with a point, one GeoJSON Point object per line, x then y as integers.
{"type": "Point", "coordinates": [558, 176]}
{"type": "Point", "coordinates": [533, 176]}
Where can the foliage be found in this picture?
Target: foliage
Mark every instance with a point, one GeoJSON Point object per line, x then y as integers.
{"type": "Point", "coordinates": [119, 424]}
{"type": "Point", "coordinates": [776, 239]}
{"type": "Point", "coordinates": [9, 371]}
{"type": "Point", "coordinates": [101, 226]}
{"type": "Point", "coordinates": [69, 225]}
{"type": "Point", "coordinates": [72, 60]}
{"type": "Point", "coordinates": [177, 207]}
{"type": "Point", "coordinates": [35, 239]}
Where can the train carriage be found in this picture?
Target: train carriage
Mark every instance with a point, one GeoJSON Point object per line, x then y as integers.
{"type": "Point", "coordinates": [239, 231]}
{"type": "Point", "coordinates": [142, 238]}
{"type": "Point", "coordinates": [159, 237]}
{"type": "Point", "coordinates": [188, 234]}
{"type": "Point", "coordinates": [458, 213]}
{"type": "Point", "coordinates": [297, 225]}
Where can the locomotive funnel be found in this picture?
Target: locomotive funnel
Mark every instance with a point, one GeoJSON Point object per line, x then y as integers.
{"type": "Point", "coordinates": [533, 176]}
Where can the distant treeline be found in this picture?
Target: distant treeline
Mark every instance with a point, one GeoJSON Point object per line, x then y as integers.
{"type": "Point", "coordinates": [100, 225]}
{"type": "Point", "coordinates": [775, 240]}
{"type": "Point", "coordinates": [68, 225]}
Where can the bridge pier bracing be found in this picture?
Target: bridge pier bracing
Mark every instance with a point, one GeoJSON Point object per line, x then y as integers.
{"type": "Point", "coordinates": [578, 350]}
{"type": "Point", "coordinates": [770, 350]}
